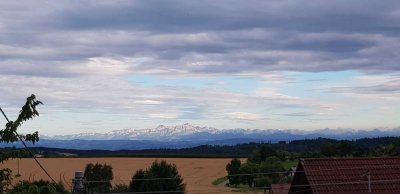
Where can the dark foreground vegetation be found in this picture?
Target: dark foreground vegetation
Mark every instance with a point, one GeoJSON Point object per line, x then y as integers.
{"type": "Point", "coordinates": [160, 176]}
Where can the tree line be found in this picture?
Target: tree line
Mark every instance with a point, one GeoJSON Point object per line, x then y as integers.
{"type": "Point", "coordinates": [306, 147]}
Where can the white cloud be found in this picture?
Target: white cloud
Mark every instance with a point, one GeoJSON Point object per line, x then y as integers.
{"type": "Point", "coordinates": [244, 116]}
{"type": "Point", "coordinates": [163, 115]}
{"type": "Point", "coordinates": [149, 102]}
{"type": "Point", "coordinates": [101, 66]}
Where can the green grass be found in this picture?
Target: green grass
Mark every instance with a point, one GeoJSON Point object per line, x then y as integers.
{"type": "Point", "coordinates": [289, 164]}
{"type": "Point", "coordinates": [219, 181]}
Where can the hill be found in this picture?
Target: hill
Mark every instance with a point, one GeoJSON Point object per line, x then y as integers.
{"type": "Point", "coordinates": [364, 145]}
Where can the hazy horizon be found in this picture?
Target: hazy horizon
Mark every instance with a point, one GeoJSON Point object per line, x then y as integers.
{"type": "Point", "coordinates": [295, 131]}
{"type": "Point", "coordinates": [100, 66]}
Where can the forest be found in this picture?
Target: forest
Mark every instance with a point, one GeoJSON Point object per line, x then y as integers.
{"type": "Point", "coordinates": [320, 147]}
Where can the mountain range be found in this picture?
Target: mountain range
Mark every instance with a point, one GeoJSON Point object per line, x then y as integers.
{"type": "Point", "coordinates": [187, 135]}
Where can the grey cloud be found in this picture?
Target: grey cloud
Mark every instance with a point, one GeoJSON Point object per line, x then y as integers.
{"type": "Point", "coordinates": [208, 37]}
{"type": "Point", "coordinates": [389, 87]}
{"type": "Point", "coordinates": [212, 52]}
{"type": "Point", "coordinates": [184, 16]}
{"type": "Point", "coordinates": [376, 89]}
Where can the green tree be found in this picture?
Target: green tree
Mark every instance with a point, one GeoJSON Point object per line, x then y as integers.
{"type": "Point", "coordinates": [271, 164]}
{"type": "Point", "coordinates": [98, 177]}
{"type": "Point", "coordinates": [137, 183]}
{"type": "Point", "coordinates": [161, 176]}
{"type": "Point", "coordinates": [247, 171]}
{"type": "Point", "coordinates": [393, 149]}
{"type": "Point", "coordinates": [262, 153]}
{"type": "Point", "coordinates": [345, 148]}
{"type": "Point", "coordinates": [283, 155]}
{"type": "Point", "coordinates": [328, 149]}
{"type": "Point", "coordinates": [10, 135]}
{"type": "Point", "coordinates": [233, 169]}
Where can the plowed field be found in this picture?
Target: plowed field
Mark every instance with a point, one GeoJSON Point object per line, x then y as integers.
{"type": "Point", "coordinates": [198, 173]}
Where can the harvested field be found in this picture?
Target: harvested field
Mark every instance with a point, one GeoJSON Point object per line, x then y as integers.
{"type": "Point", "coordinates": [198, 173]}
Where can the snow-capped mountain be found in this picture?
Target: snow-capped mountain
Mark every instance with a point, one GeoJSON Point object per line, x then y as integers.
{"type": "Point", "coordinates": [187, 132]}
{"type": "Point", "coordinates": [161, 132]}
{"type": "Point", "coordinates": [186, 135]}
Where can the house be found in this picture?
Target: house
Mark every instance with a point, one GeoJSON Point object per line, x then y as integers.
{"type": "Point", "coordinates": [67, 154]}
{"type": "Point", "coordinates": [347, 175]}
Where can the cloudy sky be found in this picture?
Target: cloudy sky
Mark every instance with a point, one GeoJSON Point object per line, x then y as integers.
{"type": "Point", "coordinates": [279, 64]}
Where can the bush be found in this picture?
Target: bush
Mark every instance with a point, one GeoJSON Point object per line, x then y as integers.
{"type": "Point", "coordinates": [233, 169]}
{"type": "Point", "coordinates": [161, 176]}
{"type": "Point", "coordinates": [98, 177]}
{"type": "Point", "coordinates": [137, 183]}
{"type": "Point", "coordinates": [120, 188]}
{"type": "Point", "coordinates": [39, 187]}
{"type": "Point", "coordinates": [5, 180]}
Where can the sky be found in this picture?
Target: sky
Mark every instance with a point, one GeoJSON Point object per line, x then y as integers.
{"type": "Point", "coordinates": [100, 65]}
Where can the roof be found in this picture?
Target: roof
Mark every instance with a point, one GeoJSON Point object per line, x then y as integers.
{"type": "Point", "coordinates": [280, 188]}
{"type": "Point", "coordinates": [347, 175]}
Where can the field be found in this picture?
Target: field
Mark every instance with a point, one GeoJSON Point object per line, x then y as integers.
{"type": "Point", "coordinates": [198, 173]}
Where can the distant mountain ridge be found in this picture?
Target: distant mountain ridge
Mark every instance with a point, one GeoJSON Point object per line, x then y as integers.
{"type": "Point", "coordinates": [188, 131]}
{"type": "Point", "coordinates": [187, 135]}
{"type": "Point", "coordinates": [161, 132]}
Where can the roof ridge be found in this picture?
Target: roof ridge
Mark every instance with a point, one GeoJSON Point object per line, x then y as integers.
{"type": "Point", "coordinates": [352, 158]}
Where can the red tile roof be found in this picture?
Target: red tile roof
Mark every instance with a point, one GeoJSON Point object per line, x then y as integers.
{"type": "Point", "coordinates": [348, 175]}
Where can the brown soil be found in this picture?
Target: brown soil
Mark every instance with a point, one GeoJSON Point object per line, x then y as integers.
{"type": "Point", "coordinates": [198, 173]}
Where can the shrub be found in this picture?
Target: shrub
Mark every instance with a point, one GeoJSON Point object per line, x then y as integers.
{"type": "Point", "coordinates": [120, 188]}
{"type": "Point", "coordinates": [98, 177]}
{"type": "Point", "coordinates": [161, 176]}
{"type": "Point", "coordinates": [233, 169]}
{"type": "Point", "coordinates": [39, 187]}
